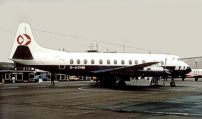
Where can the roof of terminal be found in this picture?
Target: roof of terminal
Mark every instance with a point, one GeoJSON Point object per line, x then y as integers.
{"type": "Point", "coordinates": [6, 66]}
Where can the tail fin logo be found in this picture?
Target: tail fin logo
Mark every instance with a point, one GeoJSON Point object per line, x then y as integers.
{"type": "Point", "coordinates": [24, 39]}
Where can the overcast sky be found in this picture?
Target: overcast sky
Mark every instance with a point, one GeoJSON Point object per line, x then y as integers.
{"type": "Point", "coordinates": [165, 26]}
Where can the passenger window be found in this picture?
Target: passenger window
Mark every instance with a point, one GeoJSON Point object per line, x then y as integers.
{"type": "Point", "coordinates": [136, 62]}
{"type": "Point", "coordinates": [108, 61]}
{"type": "Point", "coordinates": [71, 61]}
{"type": "Point", "coordinates": [100, 61]}
{"type": "Point", "coordinates": [85, 61]}
{"type": "Point", "coordinates": [92, 61]}
{"type": "Point", "coordinates": [122, 62]}
{"type": "Point", "coordinates": [130, 62]}
{"type": "Point", "coordinates": [162, 63]}
{"type": "Point", "coordinates": [115, 62]}
{"type": "Point", "coordinates": [143, 61]}
{"type": "Point", "coordinates": [78, 61]}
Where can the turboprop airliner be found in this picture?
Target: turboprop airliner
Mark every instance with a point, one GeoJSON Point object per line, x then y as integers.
{"type": "Point", "coordinates": [195, 73]}
{"type": "Point", "coordinates": [107, 67]}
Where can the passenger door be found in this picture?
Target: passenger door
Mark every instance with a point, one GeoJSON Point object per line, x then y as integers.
{"type": "Point", "coordinates": [62, 63]}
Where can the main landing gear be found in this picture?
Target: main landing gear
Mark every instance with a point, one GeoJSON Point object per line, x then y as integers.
{"type": "Point", "coordinates": [172, 83]}
{"type": "Point", "coordinates": [154, 81]}
{"type": "Point", "coordinates": [196, 78]}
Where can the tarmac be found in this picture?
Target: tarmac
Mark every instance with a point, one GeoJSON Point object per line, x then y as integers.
{"type": "Point", "coordinates": [86, 99]}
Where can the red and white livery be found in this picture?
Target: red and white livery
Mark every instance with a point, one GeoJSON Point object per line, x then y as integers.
{"type": "Point", "coordinates": [195, 73]}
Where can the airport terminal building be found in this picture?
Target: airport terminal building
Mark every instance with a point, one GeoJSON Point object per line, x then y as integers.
{"type": "Point", "coordinates": [14, 72]}
{"type": "Point", "coordinates": [11, 72]}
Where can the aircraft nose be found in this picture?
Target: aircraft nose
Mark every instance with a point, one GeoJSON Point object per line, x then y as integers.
{"type": "Point", "coordinates": [188, 69]}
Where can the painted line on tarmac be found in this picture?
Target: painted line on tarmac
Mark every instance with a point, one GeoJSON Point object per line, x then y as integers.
{"type": "Point", "coordinates": [22, 87]}
{"type": "Point", "coordinates": [82, 88]}
{"type": "Point", "coordinates": [9, 87]}
{"type": "Point", "coordinates": [172, 113]}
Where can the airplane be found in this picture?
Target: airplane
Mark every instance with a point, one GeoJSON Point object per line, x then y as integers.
{"type": "Point", "coordinates": [195, 73]}
{"type": "Point", "coordinates": [107, 67]}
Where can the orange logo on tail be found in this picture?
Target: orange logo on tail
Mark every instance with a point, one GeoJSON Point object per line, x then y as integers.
{"type": "Point", "coordinates": [24, 39]}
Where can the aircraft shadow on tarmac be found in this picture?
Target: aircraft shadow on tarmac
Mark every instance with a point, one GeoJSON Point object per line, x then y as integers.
{"type": "Point", "coordinates": [131, 87]}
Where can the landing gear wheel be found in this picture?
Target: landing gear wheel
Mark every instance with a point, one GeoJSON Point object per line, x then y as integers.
{"type": "Point", "coordinates": [172, 84]}
{"type": "Point", "coordinates": [183, 78]}
{"type": "Point", "coordinates": [196, 78]}
{"type": "Point", "coordinates": [122, 83]}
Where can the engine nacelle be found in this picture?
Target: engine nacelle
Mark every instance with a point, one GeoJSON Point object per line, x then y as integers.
{"type": "Point", "coordinates": [152, 71]}
{"type": "Point", "coordinates": [154, 68]}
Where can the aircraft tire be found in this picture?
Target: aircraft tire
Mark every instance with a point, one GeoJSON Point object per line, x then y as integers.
{"type": "Point", "coordinates": [196, 78]}
{"type": "Point", "coordinates": [172, 84]}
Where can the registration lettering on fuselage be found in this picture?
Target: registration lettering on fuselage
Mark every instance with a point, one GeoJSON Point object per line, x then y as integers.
{"type": "Point", "coordinates": [77, 67]}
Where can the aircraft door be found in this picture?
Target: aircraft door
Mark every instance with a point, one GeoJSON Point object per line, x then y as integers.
{"type": "Point", "coordinates": [62, 63]}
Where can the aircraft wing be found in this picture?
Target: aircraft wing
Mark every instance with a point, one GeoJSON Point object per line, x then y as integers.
{"type": "Point", "coordinates": [127, 69]}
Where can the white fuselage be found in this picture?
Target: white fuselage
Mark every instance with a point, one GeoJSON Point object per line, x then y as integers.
{"type": "Point", "coordinates": [26, 51]}
{"type": "Point", "coordinates": [87, 62]}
